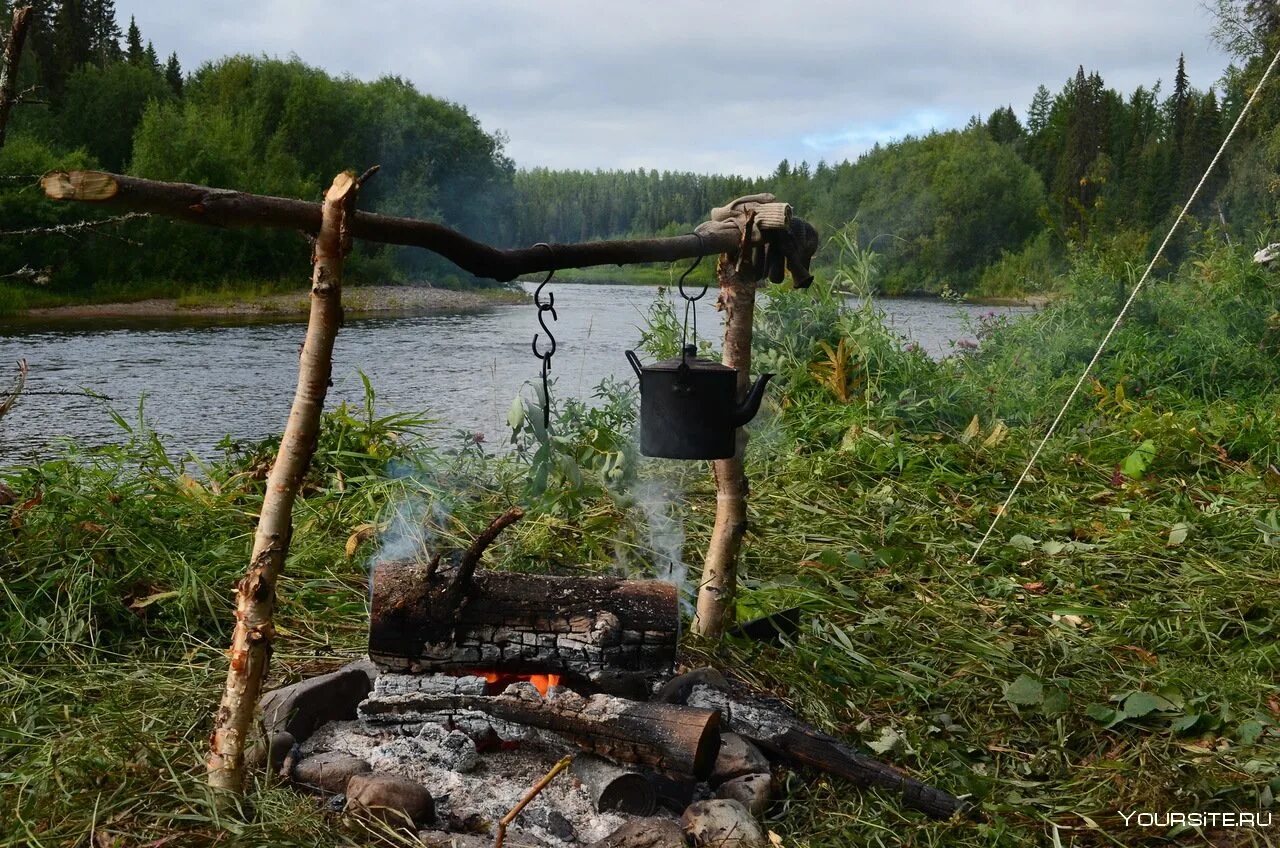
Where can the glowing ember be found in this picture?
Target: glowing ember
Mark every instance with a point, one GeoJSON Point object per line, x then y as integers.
{"type": "Point", "coordinates": [499, 680]}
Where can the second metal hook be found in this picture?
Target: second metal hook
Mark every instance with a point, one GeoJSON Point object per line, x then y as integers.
{"type": "Point", "coordinates": [549, 306]}
{"type": "Point", "coordinates": [689, 270]}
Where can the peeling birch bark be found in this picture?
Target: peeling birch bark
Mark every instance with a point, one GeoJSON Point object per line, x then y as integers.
{"type": "Point", "coordinates": [9, 65]}
{"type": "Point", "coordinates": [715, 609]}
{"type": "Point", "coordinates": [256, 591]}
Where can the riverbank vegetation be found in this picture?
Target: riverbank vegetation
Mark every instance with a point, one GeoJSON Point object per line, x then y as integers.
{"type": "Point", "coordinates": [993, 209]}
{"type": "Point", "coordinates": [1113, 648]}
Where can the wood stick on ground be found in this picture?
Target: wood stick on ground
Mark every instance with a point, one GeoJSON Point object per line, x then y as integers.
{"type": "Point", "coordinates": [256, 591]}
{"type": "Point", "coordinates": [9, 65]}
{"type": "Point", "coordinates": [501, 835]}
{"type": "Point", "coordinates": [716, 590]}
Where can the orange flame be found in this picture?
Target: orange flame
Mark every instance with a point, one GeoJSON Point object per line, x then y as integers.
{"type": "Point", "coordinates": [498, 680]}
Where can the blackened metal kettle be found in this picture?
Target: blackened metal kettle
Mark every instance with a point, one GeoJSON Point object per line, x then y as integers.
{"type": "Point", "coordinates": [689, 406]}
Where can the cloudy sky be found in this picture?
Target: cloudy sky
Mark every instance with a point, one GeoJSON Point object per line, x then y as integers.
{"type": "Point", "coordinates": [706, 86]}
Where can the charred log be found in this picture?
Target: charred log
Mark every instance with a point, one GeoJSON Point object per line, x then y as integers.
{"type": "Point", "coordinates": [613, 787]}
{"type": "Point", "coordinates": [785, 737]}
{"type": "Point", "coordinates": [586, 629]}
{"type": "Point", "coordinates": [670, 738]}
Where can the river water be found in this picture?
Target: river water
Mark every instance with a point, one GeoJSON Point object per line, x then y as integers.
{"type": "Point", "coordinates": [200, 382]}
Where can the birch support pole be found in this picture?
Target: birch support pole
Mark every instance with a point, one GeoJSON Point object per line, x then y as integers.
{"type": "Point", "coordinates": [256, 591]}
{"type": "Point", "coordinates": [9, 65]}
{"type": "Point", "coordinates": [715, 609]}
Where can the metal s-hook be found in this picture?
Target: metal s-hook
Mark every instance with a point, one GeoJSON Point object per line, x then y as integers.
{"type": "Point", "coordinates": [689, 270]}
{"type": "Point", "coordinates": [689, 305]}
{"type": "Point", "coordinates": [543, 309]}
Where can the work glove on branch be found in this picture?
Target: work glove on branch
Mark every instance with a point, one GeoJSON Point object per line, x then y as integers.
{"type": "Point", "coordinates": [774, 241]}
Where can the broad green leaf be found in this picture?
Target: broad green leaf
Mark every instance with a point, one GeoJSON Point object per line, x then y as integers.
{"type": "Point", "coordinates": [1140, 704]}
{"type": "Point", "coordinates": [1055, 702]}
{"type": "Point", "coordinates": [889, 742]}
{"type": "Point", "coordinates": [1023, 543]}
{"type": "Point", "coordinates": [1024, 691]}
{"type": "Point", "coordinates": [1102, 713]}
{"type": "Point", "coordinates": [1185, 723]}
{"type": "Point", "coordinates": [1178, 534]}
{"type": "Point", "coordinates": [1173, 695]}
{"type": "Point", "coordinates": [1248, 732]}
{"type": "Point", "coordinates": [1137, 463]}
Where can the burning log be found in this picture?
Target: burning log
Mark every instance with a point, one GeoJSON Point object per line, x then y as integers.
{"type": "Point", "coordinates": [670, 738]}
{"type": "Point", "coordinates": [585, 629]}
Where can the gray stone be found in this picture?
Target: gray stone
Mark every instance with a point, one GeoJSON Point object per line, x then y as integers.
{"type": "Point", "coordinates": [279, 747]}
{"type": "Point", "coordinates": [394, 800]}
{"type": "Point", "coordinates": [644, 833]}
{"type": "Point", "coordinates": [303, 706]}
{"type": "Point", "coordinates": [753, 791]}
{"type": "Point", "coordinates": [722, 823]}
{"type": "Point", "coordinates": [677, 689]}
{"type": "Point", "coordinates": [737, 757]}
{"type": "Point", "coordinates": [328, 772]}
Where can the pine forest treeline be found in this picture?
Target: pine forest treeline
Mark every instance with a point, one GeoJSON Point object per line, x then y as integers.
{"type": "Point", "coordinates": [993, 206]}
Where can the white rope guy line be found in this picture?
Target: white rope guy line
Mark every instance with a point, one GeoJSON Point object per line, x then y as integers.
{"type": "Point", "coordinates": [1124, 310]}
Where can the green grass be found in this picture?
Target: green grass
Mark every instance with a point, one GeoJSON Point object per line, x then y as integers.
{"type": "Point", "coordinates": [1113, 648]}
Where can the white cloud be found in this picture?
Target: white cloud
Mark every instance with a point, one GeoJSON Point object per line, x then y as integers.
{"type": "Point", "coordinates": [706, 86]}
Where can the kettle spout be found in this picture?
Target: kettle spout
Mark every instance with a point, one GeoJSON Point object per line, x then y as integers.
{"type": "Point", "coordinates": [751, 405]}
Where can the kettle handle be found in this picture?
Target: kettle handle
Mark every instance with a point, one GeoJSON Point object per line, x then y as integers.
{"type": "Point", "coordinates": [635, 363]}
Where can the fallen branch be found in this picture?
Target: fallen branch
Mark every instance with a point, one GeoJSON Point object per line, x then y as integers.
{"type": "Point", "coordinates": [501, 835]}
{"type": "Point", "coordinates": [225, 208]}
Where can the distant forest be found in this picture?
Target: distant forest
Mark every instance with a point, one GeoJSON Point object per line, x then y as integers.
{"type": "Point", "coordinates": [994, 207]}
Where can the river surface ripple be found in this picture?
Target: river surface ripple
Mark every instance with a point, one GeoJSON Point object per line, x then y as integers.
{"type": "Point", "coordinates": [201, 382]}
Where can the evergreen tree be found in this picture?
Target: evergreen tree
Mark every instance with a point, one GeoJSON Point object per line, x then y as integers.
{"type": "Point", "coordinates": [1179, 105]}
{"type": "Point", "coordinates": [1003, 126]}
{"type": "Point", "coordinates": [1204, 134]}
{"type": "Point", "coordinates": [72, 42]}
{"type": "Point", "coordinates": [151, 59]}
{"type": "Point", "coordinates": [134, 51]}
{"type": "Point", "coordinates": [1038, 111]}
{"type": "Point", "coordinates": [173, 74]}
{"type": "Point", "coordinates": [104, 32]}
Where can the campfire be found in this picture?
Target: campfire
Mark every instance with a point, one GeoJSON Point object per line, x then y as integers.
{"type": "Point", "coordinates": [482, 687]}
